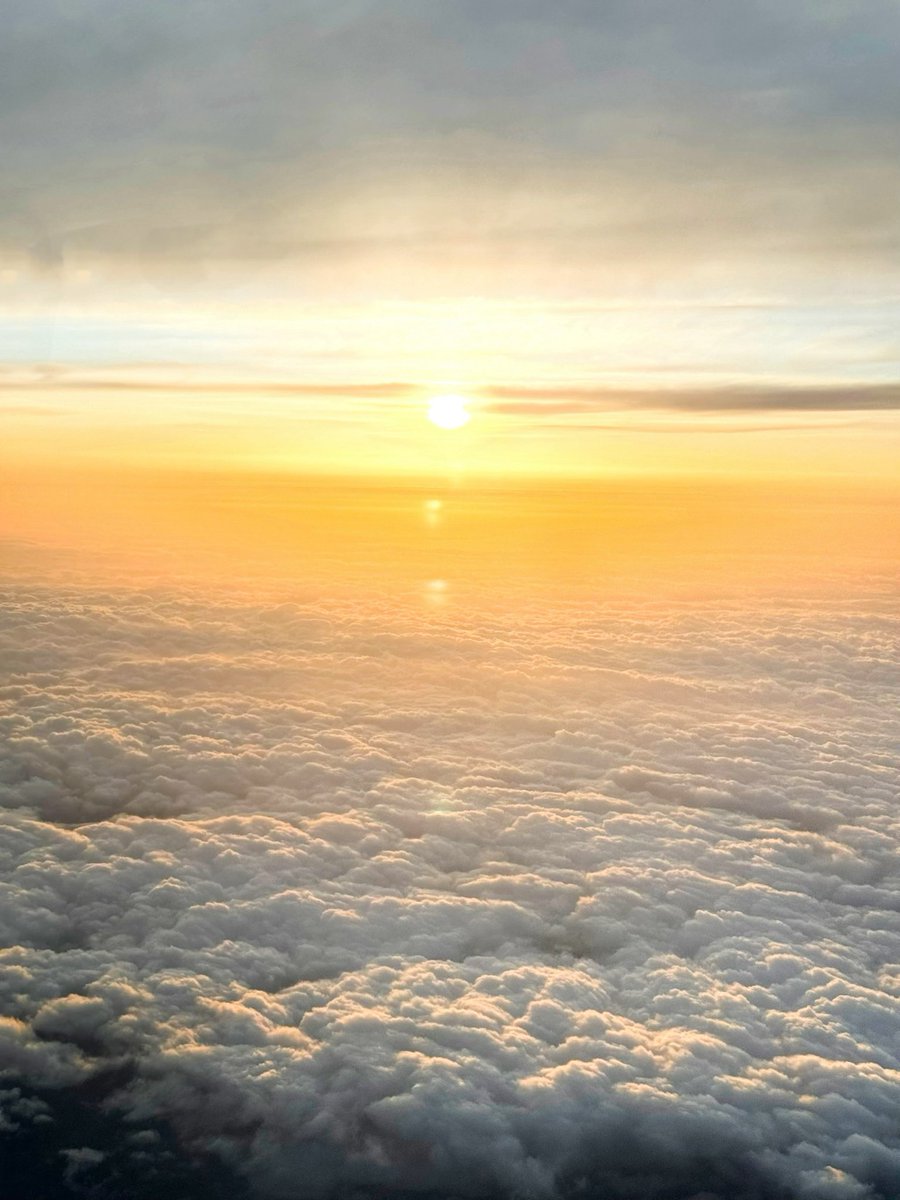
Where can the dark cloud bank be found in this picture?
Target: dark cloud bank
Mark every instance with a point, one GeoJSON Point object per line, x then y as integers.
{"type": "Point", "coordinates": [342, 900]}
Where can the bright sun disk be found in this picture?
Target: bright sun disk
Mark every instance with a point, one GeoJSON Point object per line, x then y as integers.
{"type": "Point", "coordinates": [448, 412]}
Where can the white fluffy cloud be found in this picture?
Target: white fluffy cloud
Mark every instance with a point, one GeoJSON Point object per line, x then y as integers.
{"type": "Point", "coordinates": [588, 901]}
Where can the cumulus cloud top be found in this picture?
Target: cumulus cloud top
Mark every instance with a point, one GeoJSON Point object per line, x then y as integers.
{"type": "Point", "coordinates": [587, 900]}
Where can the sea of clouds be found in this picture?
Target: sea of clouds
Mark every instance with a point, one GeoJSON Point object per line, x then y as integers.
{"type": "Point", "coordinates": [350, 898]}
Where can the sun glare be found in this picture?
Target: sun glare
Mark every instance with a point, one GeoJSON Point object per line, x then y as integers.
{"type": "Point", "coordinates": [448, 412]}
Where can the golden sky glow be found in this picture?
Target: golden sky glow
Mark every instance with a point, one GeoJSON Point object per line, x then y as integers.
{"type": "Point", "coordinates": [109, 418]}
{"type": "Point", "coordinates": [666, 256]}
{"type": "Point", "coordinates": [450, 543]}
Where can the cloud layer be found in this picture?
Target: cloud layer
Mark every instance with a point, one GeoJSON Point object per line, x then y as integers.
{"type": "Point", "coordinates": [347, 900]}
{"type": "Point", "coordinates": [194, 134]}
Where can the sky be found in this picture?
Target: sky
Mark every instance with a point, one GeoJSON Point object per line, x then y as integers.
{"type": "Point", "coordinates": [449, 575]}
{"type": "Point", "coordinates": [656, 239]}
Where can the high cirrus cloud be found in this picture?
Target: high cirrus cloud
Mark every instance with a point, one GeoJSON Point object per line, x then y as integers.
{"type": "Point", "coordinates": [339, 903]}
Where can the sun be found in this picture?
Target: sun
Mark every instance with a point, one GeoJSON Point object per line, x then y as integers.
{"type": "Point", "coordinates": [448, 412]}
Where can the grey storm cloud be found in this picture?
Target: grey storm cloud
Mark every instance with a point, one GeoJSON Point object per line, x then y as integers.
{"type": "Point", "coordinates": [197, 132]}
{"type": "Point", "coordinates": [596, 901]}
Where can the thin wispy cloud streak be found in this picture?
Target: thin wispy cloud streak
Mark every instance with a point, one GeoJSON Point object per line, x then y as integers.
{"type": "Point", "coordinates": [537, 401]}
{"type": "Point", "coordinates": [509, 400]}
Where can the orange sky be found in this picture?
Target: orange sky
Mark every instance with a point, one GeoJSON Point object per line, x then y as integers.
{"type": "Point", "coordinates": [655, 244]}
{"type": "Point", "coordinates": [449, 545]}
